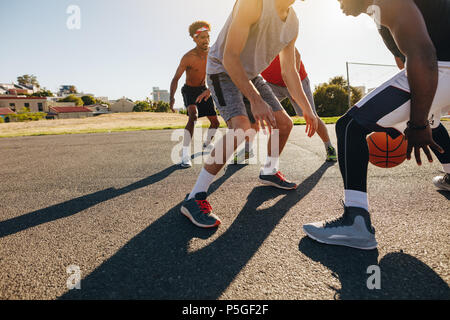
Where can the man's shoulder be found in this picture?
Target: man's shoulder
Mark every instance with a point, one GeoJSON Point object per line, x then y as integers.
{"type": "Point", "coordinates": [189, 56]}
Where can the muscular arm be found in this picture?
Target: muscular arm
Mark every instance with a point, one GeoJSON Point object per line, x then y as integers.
{"type": "Point", "coordinates": [298, 60]}
{"type": "Point", "coordinates": [289, 71]}
{"type": "Point", "coordinates": [246, 13]}
{"type": "Point", "coordinates": [174, 84]}
{"type": "Point", "coordinates": [408, 28]}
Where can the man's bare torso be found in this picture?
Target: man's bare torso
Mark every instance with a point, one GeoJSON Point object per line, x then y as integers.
{"type": "Point", "coordinates": [196, 67]}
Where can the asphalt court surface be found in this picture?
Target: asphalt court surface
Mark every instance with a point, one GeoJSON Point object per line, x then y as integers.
{"type": "Point", "coordinates": [110, 205]}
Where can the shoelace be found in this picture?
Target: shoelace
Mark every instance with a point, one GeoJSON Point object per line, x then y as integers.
{"type": "Point", "coordinates": [204, 205]}
{"type": "Point", "coordinates": [280, 175]}
{"type": "Point", "coordinates": [338, 220]}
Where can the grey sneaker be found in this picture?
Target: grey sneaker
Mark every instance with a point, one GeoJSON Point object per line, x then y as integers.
{"type": "Point", "coordinates": [353, 229]}
{"type": "Point", "coordinates": [442, 182]}
{"type": "Point", "coordinates": [199, 211]}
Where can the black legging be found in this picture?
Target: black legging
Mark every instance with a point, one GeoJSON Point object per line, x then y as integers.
{"type": "Point", "coordinates": [353, 152]}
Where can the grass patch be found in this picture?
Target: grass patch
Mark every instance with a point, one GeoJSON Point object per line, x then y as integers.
{"type": "Point", "coordinates": [121, 122]}
{"type": "Point", "coordinates": [115, 123]}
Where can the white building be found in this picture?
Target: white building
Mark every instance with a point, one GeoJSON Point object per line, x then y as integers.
{"type": "Point", "coordinates": [160, 95]}
{"type": "Point", "coordinates": [122, 105]}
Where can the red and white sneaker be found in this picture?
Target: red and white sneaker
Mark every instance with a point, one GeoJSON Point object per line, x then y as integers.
{"type": "Point", "coordinates": [277, 180]}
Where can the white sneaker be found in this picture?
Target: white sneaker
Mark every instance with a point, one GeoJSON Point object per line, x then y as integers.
{"type": "Point", "coordinates": [442, 182]}
{"type": "Point", "coordinates": [186, 162]}
{"type": "Point", "coordinates": [208, 148]}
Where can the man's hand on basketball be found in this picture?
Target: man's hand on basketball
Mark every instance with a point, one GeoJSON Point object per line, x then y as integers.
{"type": "Point", "coordinates": [311, 123]}
{"type": "Point", "coordinates": [420, 139]}
{"type": "Point", "coordinates": [263, 115]}
{"type": "Point", "coordinates": [204, 96]}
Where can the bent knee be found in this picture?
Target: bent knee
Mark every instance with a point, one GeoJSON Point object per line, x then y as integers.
{"type": "Point", "coordinates": [342, 123]}
{"type": "Point", "coordinates": [285, 125]}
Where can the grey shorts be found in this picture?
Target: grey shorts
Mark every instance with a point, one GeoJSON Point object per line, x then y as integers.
{"type": "Point", "coordinates": [282, 93]}
{"type": "Point", "coordinates": [230, 101]}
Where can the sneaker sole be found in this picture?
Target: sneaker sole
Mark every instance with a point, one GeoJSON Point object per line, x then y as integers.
{"type": "Point", "coordinates": [186, 166]}
{"type": "Point", "coordinates": [186, 213]}
{"type": "Point", "coordinates": [335, 243]}
{"type": "Point", "coordinates": [441, 186]}
{"type": "Point", "coordinates": [273, 184]}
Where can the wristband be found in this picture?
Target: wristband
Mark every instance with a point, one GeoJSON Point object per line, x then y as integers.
{"type": "Point", "coordinates": [412, 126]}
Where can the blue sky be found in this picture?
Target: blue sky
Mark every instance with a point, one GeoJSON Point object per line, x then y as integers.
{"type": "Point", "coordinates": [124, 48]}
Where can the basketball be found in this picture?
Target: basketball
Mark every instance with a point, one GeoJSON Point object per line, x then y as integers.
{"type": "Point", "coordinates": [385, 152]}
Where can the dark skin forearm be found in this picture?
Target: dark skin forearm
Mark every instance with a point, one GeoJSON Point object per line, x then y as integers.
{"type": "Point", "coordinates": [173, 88]}
{"type": "Point", "coordinates": [409, 31]}
{"type": "Point", "coordinates": [422, 70]}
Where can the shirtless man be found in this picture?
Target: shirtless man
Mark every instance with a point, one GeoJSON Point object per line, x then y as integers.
{"type": "Point", "coordinates": [197, 98]}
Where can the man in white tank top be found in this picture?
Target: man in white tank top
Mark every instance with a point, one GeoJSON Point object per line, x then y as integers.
{"type": "Point", "coordinates": [254, 34]}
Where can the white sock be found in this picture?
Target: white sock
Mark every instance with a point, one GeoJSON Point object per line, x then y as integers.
{"type": "Point", "coordinates": [355, 198]}
{"type": "Point", "coordinates": [271, 166]}
{"type": "Point", "coordinates": [203, 182]}
{"type": "Point", "coordinates": [248, 146]}
{"type": "Point", "coordinates": [210, 136]}
{"type": "Point", "coordinates": [186, 152]}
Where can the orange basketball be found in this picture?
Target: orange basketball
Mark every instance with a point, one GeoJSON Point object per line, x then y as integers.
{"type": "Point", "coordinates": [386, 152]}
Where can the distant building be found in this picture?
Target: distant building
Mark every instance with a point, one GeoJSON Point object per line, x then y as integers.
{"type": "Point", "coordinates": [4, 112]}
{"type": "Point", "coordinates": [98, 109]}
{"type": "Point", "coordinates": [36, 104]}
{"type": "Point", "coordinates": [122, 105]}
{"type": "Point", "coordinates": [65, 90]}
{"type": "Point", "coordinates": [16, 103]}
{"type": "Point", "coordinates": [17, 89]}
{"type": "Point", "coordinates": [70, 112]}
{"type": "Point", "coordinates": [160, 95]}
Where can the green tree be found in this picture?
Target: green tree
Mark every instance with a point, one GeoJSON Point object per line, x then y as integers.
{"type": "Point", "coordinates": [71, 98]}
{"type": "Point", "coordinates": [27, 80]}
{"type": "Point", "coordinates": [88, 100]}
{"type": "Point", "coordinates": [287, 105]}
{"type": "Point", "coordinates": [331, 99]}
{"type": "Point", "coordinates": [24, 110]}
{"type": "Point", "coordinates": [42, 93]}
{"type": "Point", "coordinates": [142, 106]}
{"type": "Point", "coordinates": [161, 106]}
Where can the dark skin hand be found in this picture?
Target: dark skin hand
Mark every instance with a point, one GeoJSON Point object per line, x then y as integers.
{"type": "Point", "coordinates": [408, 28]}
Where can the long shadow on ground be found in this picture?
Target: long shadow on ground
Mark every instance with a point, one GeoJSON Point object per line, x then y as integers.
{"type": "Point", "coordinates": [402, 276]}
{"type": "Point", "coordinates": [157, 264]}
{"type": "Point", "coordinates": [74, 206]}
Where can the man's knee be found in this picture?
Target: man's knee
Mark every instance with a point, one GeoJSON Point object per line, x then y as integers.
{"type": "Point", "coordinates": [215, 123]}
{"type": "Point", "coordinates": [192, 113]}
{"type": "Point", "coordinates": [342, 124]}
{"type": "Point", "coordinates": [285, 124]}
